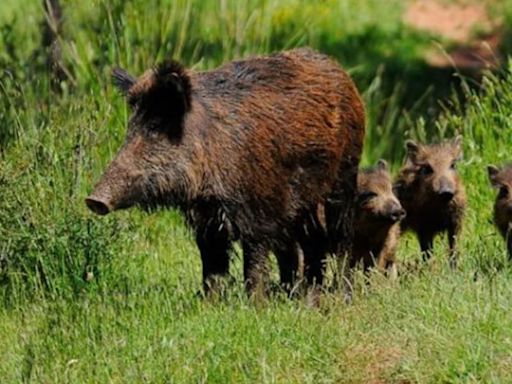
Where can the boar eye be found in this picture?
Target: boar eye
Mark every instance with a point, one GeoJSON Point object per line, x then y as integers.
{"type": "Point", "coordinates": [425, 170]}
{"type": "Point", "coordinates": [453, 165]}
{"type": "Point", "coordinates": [366, 196]}
{"type": "Point", "coordinates": [503, 193]}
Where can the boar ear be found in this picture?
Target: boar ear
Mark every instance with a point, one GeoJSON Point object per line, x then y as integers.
{"type": "Point", "coordinates": [172, 91]}
{"type": "Point", "coordinates": [493, 172]}
{"type": "Point", "coordinates": [412, 149]}
{"type": "Point", "coordinates": [122, 80]}
{"type": "Point", "coordinates": [382, 165]}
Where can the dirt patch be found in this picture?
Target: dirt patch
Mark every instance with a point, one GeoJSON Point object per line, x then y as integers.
{"type": "Point", "coordinates": [454, 21]}
{"type": "Point", "coordinates": [469, 38]}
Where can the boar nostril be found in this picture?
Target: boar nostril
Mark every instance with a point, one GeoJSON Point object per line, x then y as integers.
{"type": "Point", "coordinates": [97, 206]}
{"type": "Point", "coordinates": [446, 194]}
{"type": "Point", "coordinates": [398, 215]}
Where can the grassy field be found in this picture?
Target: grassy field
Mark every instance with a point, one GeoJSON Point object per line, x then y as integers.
{"type": "Point", "coordinates": [93, 300]}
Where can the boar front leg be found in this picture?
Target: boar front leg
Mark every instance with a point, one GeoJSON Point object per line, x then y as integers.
{"type": "Point", "coordinates": [313, 241]}
{"type": "Point", "coordinates": [214, 243]}
{"type": "Point", "coordinates": [214, 249]}
{"type": "Point", "coordinates": [288, 261]}
{"type": "Point", "coordinates": [387, 257]}
{"type": "Point", "coordinates": [426, 240]}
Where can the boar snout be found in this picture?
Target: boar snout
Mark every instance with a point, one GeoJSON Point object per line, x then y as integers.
{"type": "Point", "coordinates": [98, 205]}
{"type": "Point", "coordinates": [120, 187]}
{"type": "Point", "coordinates": [446, 189]}
{"type": "Point", "coordinates": [397, 215]}
{"type": "Point", "coordinates": [395, 212]}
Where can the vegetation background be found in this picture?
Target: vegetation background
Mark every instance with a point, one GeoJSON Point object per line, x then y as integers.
{"type": "Point", "coordinates": [94, 300]}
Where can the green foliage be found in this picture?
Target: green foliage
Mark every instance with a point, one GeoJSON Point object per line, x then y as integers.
{"type": "Point", "coordinates": [51, 245]}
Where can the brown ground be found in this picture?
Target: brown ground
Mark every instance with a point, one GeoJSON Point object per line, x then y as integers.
{"type": "Point", "coordinates": [469, 38]}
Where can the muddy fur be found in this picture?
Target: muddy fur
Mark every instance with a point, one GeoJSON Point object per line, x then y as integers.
{"type": "Point", "coordinates": [432, 193]}
{"type": "Point", "coordinates": [501, 179]}
{"type": "Point", "coordinates": [247, 151]}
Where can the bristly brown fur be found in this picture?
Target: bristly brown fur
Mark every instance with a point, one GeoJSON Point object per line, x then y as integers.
{"type": "Point", "coordinates": [432, 193]}
{"type": "Point", "coordinates": [253, 146]}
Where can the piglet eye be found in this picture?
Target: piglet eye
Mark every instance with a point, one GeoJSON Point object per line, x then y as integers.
{"type": "Point", "coordinates": [503, 194]}
{"type": "Point", "coordinates": [425, 170]}
{"type": "Point", "coordinates": [366, 196]}
{"type": "Point", "coordinates": [453, 166]}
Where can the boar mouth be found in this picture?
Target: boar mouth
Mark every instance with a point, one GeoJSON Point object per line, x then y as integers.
{"type": "Point", "coordinates": [394, 217]}
{"type": "Point", "coordinates": [97, 206]}
{"type": "Point", "coordinates": [389, 220]}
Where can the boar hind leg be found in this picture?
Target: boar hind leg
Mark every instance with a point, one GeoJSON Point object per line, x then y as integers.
{"type": "Point", "coordinates": [214, 246]}
{"type": "Point", "coordinates": [313, 241]}
{"type": "Point", "coordinates": [255, 267]}
{"type": "Point", "coordinates": [339, 215]}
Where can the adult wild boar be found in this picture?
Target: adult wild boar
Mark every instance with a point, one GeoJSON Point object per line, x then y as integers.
{"type": "Point", "coordinates": [501, 179]}
{"type": "Point", "coordinates": [431, 192]}
{"type": "Point", "coordinates": [247, 151]}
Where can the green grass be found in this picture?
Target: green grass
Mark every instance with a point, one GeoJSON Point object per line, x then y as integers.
{"type": "Point", "coordinates": [89, 299]}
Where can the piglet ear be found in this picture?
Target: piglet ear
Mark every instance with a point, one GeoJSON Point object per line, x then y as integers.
{"type": "Point", "coordinates": [412, 149]}
{"type": "Point", "coordinates": [457, 141]}
{"type": "Point", "coordinates": [382, 165]}
{"type": "Point", "coordinates": [493, 172]}
{"type": "Point", "coordinates": [122, 80]}
{"type": "Point", "coordinates": [411, 146]}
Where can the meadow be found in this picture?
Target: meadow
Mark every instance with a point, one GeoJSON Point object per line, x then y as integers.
{"type": "Point", "coordinates": [115, 299]}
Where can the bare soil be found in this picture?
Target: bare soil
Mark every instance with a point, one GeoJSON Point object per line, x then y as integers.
{"type": "Point", "coordinates": [468, 38]}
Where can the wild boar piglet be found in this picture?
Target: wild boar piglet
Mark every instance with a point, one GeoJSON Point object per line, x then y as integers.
{"type": "Point", "coordinates": [431, 192]}
{"type": "Point", "coordinates": [501, 179]}
{"type": "Point", "coordinates": [377, 222]}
